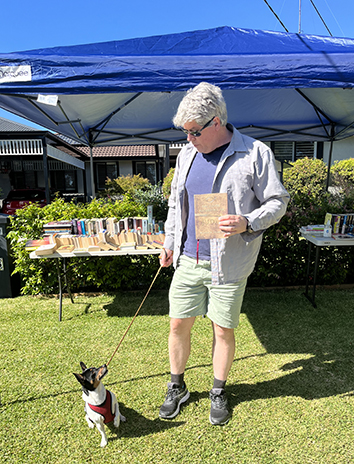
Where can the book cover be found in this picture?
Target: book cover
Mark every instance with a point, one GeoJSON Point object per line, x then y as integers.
{"type": "Point", "coordinates": [65, 249]}
{"type": "Point", "coordinates": [343, 237]}
{"type": "Point", "coordinates": [33, 244]}
{"type": "Point", "coordinates": [128, 246]}
{"type": "Point", "coordinates": [208, 208]}
{"type": "Point", "coordinates": [46, 249]}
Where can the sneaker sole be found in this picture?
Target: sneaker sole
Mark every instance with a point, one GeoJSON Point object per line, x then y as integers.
{"type": "Point", "coordinates": [181, 401]}
{"type": "Point", "coordinates": [219, 423]}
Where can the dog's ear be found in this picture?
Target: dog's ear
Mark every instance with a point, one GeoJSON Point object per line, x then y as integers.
{"type": "Point", "coordinates": [83, 366]}
{"type": "Point", "coordinates": [79, 378]}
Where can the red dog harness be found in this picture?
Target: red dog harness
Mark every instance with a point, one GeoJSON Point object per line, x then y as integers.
{"type": "Point", "coordinates": [105, 409]}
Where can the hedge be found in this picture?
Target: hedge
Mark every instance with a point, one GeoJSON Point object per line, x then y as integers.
{"type": "Point", "coordinates": [281, 262]}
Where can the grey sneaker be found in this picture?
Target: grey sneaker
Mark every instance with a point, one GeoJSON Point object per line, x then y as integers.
{"type": "Point", "coordinates": [174, 398]}
{"type": "Point", "coordinates": [219, 410]}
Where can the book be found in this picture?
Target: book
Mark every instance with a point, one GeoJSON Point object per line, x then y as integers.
{"type": "Point", "coordinates": [343, 236]}
{"type": "Point", "coordinates": [207, 209]}
{"type": "Point", "coordinates": [142, 247]}
{"type": "Point", "coordinates": [33, 244]}
{"type": "Point", "coordinates": [127, 246]}
{"type": "Point", "coordinates": [106, 246]}
{"type": "Point", "coordinates": [45, 250]}
{"type": "Point", "coordinates": [316, 229]}
{"type": "Point", "coordinates": [93, 248]}
{"type": "Point", "coordinates": [63, 227]}
{"type": "Point", "coordinates": [65, 249]}
{"type": "Point", "coordinates": [341, 223]}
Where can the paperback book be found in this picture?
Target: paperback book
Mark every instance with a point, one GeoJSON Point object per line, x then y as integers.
{"type": "Point", "coordinates": [208, 208]}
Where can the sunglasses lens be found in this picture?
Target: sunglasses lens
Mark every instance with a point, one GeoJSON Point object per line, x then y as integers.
{"type": "Point", "coordinates": [192, 133]}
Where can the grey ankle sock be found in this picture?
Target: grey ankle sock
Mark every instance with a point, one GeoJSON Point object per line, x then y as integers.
{"type": "Point", "coordinates": [177, 379]}
{"type": "Point", "coordinates": [219, 383]}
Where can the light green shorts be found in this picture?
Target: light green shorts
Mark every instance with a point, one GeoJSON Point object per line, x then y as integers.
{"type": "Point", "coordinates": [192, 294]}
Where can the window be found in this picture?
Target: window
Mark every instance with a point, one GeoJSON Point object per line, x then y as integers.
{"type": "Point", "coordinates": [147, 169]}
{"type": "Point", "coordinates": [104, 170]}
{"type": "Point", "coordinates": [291, 151]}
{"type": "Point", "coordinates": [23, 179]}
{"type": "Point", "coordinates": [63, 181]}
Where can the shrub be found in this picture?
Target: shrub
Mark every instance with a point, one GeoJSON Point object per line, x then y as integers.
{"type": "Point", "coordinates": [152, 195]}
{"type": "Point", "coordinates": [306, 179]}
{"type": "Point", "coordinates": [40, 276]}
{"type": "Point", "coordinates": [124, 185]}
{"type": "Point", "coordinates": [282, 259]}
{"type": "Point", "coordinates": [342, 175]}
{"type": "Point", "coordinates": [284, 253]}
{"type": "Point", "coordinates": [166, 186]}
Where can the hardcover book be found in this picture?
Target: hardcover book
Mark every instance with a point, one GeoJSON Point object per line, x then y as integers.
{"type": "Point", "coordinates": [208, 208]}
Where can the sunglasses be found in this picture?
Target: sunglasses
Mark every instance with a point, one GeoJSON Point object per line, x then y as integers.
{"type": "Point", "coordinates": [197, 133]}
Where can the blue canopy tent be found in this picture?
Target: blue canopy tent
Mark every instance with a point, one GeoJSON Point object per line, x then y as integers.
{"type": "Point", "coordinates": [278, 86]}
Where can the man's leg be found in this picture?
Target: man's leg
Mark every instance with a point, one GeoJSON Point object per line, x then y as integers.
{"type": "Point", "coordinates": [223, 351]}
{"type": "Point", "coordinates": [224, 311]}
{"type": "Point", "coordinates": [179, 343]}
{"type": "Point", "coordinates": [223, 355]}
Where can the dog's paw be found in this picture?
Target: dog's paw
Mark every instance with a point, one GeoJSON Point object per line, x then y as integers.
{"type": "Point", "coordinates": [122, 418]}
{"type": "Point", "coordinates": [89, 423]}
{"type": "Point", "coordinates": [103, 442]}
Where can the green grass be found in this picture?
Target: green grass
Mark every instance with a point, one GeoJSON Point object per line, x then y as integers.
{"type": "Point", "coordinates": [291, 384]}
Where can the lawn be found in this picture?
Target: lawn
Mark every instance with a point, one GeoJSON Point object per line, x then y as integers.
{"type": "Point", "coordinates": [291, 384]}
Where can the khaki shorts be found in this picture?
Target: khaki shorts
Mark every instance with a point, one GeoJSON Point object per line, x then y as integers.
{"type": "Point", "coordinates": [192, 294]}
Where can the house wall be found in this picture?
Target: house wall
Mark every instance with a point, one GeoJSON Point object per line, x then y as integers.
{"type": "Point", "coordinates": [342, 149]}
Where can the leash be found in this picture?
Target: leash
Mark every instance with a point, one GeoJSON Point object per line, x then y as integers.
{"type": "Point", "coordinates": [125, 333]}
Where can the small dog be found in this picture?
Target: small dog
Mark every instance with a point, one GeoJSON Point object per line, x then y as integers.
{"type": "Point", "coordinates": [101, 405]}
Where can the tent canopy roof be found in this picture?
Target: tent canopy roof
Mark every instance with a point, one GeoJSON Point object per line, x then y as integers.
{"type": "Point", "coordinates": [277, 86]}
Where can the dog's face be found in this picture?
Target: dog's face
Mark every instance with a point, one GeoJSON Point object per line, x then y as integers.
{"type": "Point", "coordinates": [90, 377]}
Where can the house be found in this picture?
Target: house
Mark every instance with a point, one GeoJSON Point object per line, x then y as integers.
{"type": "Point", "coordinates": [38, 158]}
{"type": "Point", "coordinates": [31, 158]}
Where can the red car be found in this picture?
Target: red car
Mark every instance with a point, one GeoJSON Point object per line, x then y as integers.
{"type": "Point", "coordinates": [19, 198]}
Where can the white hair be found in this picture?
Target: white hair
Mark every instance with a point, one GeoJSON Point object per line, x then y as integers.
{"type": "Point", "coordinates": [200, 104]}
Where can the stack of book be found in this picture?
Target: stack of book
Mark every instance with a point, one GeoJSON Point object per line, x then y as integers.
{"type": "Point", "coordinates": [101, 234]}
{"type": "Point", "coordinates": [313, 229]}
{"type": "Point", "coordinates": [342, 224]}
{"type": "Point", "coordinates": [58, 227]}
{"type": "Point", "coordinates": [33, 244]}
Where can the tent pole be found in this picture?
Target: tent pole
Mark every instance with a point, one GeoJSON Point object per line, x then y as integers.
{"type": "Point", "coordinates": [93, 193]}
{"type": "Point", "coordinates": [46, 170]}
{"type": "Point", "coordinates": [299, 16]}
{"type": "Point", "coordinates": [330, 158]}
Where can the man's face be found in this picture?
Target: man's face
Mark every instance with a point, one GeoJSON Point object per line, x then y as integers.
{"type": "Point", "coordinates": [205, 143]}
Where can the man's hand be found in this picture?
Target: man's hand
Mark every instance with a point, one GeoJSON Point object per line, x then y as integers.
{"type": "Point", "coordinates": [166, 257]}
{"type": "Point", "coordinates": [232, 224]}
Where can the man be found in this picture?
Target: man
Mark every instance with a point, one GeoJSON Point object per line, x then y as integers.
{"type": "Point", "coordinates": [211, 275]}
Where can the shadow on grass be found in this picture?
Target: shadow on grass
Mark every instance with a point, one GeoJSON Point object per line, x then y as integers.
{"type": "Point", "coordinates": [126, 304]}
{"type": "Point", "coordinates": [285, 323]}
{"type": "Point", "coordinates": [138, 425]}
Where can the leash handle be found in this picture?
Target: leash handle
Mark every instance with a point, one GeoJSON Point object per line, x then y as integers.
{"type": "Point", "coordinates": [125, 333]}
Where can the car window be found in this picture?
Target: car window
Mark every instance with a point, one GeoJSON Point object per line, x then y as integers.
{"type": "Point", "coordinates": [36, 196]}
{"type": "Point", "coordinates": [16, 196]}
{"type": "Point", "coordinates": [26, 195]}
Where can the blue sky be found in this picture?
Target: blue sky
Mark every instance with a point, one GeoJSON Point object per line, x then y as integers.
{"type": "Point", "coordinates": [27, 25]}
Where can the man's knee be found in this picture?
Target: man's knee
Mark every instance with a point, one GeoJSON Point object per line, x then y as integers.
{"type": "Point", "coordinates": [181, 326]}
{"type": "Point", "coordinates": [223, 333]}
